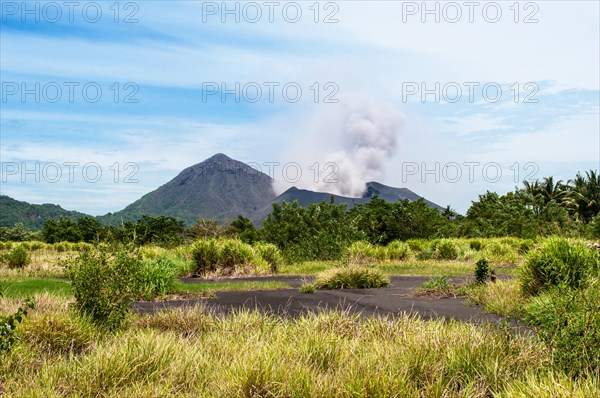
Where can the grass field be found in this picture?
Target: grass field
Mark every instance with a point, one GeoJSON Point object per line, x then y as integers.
{"type": "Point", "coordinates": [192, 352]}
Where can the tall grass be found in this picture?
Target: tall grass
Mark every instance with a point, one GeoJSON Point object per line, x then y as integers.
{"type": "Point", "coordinates": [194, 353]}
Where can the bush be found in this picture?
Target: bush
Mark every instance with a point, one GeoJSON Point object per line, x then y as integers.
{"type": "Point", "coordinates": [105, 282]}
{"type": "Point", "coordinates": [475, 244]}
{"type": "Point", "coordinates": [18, 257]}
{"type": "Point", "coordinates": [397, 250]}
{"type": "Point", "coordinates": [447, 250]}
{"type": "Point", "coordinates": [558, 262]}
{"type": "Point", "coordinates": [482, 270]}
{"type": "Point", "coordinates": [426, 254]}
{"type": "Point", "coordinates": [351, 278]}
{"type": "Point", "coordinates": [157, 277]}
{"type": "Point", "coordinates": [569, 321]}
{"type": "Point", "coordinates": [501, 252]}
{"type": "Point", "coordinates": [362, 252]}
{"type": "Point", "coordinates": [271, 254]}
{"type": "Point", "coordinates": [229, 255]}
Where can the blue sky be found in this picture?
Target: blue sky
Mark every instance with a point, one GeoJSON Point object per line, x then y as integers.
{"type": "Point", "coordinates": [135, 92]}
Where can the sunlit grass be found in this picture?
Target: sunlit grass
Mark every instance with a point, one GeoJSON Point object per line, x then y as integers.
{"type": "Point", "coordinates": [26, 287]}
{"type": "Point", "coordinates": [191, 352]}
{"type": "Point", "coordinates": [228, 286]}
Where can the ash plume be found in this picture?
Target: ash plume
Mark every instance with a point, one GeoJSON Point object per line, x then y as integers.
{"type": "Point", "coordinates": [367, 138]}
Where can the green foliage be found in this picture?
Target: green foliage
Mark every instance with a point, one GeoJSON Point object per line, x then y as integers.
{"type": "Point", "coordinates": [558, 262]}
{"type": "Point", "coordinates": [19, 233]}
{"type": "Point", "coordinates": [482, 270]}
{"type": "Point", "coordinates": [569, 321]}
{"type": "Point", "coordinates": [382, 222]}
{"type": "Point", "coordinates": [105, 282]}
{"type": "Point", "coordinates": [440, 283]}
{"type": "Point", "coordinates": [308, 288]}
{"type": "Point", "coordinates": [475, 244]}
{"type": "Point", "coordinates": [351, 278]}
{"type": "Point", "coordinates": [164, 230]}
{"type": "Point", "coordinates": [244, 229]}
{"type": "Point", "coordinates": [397, 250]}
{"type": "Point", "coordinates": [157, 277]}
{"type": "Point", "coordinates": [271, 254]}
{"type": "Point", "coordinates": [18, 257]}
{"type": "Point", "coordinates": [61, 230]}
{"type": "Point", "coordinates": [447, 250]}
{"type": "Point", "coordinates": [231, 255]}
{"type": "Point", "coordinates": [494, 215]}
{"type": "Point", "coordinates": [8, 325]}
{"type": "Point", "coordinates": [318, 232]}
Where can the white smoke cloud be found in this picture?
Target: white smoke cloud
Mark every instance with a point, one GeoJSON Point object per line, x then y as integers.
{"type": "Point", "coordinates": [358, 137]}
{"type": "Point", "coordinates": [368, 140]}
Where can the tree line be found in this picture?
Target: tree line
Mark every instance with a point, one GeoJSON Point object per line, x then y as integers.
{"type": "Point", "coordinates": [323, 230]}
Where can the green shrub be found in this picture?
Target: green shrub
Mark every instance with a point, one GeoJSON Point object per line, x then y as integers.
{"type": "Point", "coordinates": [362, 252]}
{"type": "Point", "coordinates": [229, 255]}
{"type": "Point", "coordinates": [501, 253]}
{"type": "Point", "coordinates": [351, 278]}
{"type": "Point", "coordinates": [475, 244]}
{"type": "Point", "coordinates": [426, 254]}
{"type": "Point", "coordinates": [18, 257]}
{"type": "Point", "coordinates": [559, 261]}
{"type": "Point", "coordinates": [525, 246]}
{"type": "Point", "coordinates": [447, 250]}
{"type": "Point", "coordinates": [8, 325]}
{"type": "Point", "coordinates": [482, 270]}
{"type": "Point", "coordinates": [397, 250]}
{"type": "Point", "coordinates": [308, 288]}
{"type": "Point", "coordinates": [569, 321]}
{"type": "Point", "coordinates": [271, 254]}
{"type": "Point", "coordinates": [105, 282]}
{"type": "Point", "coordinates": [416, 245]}
{"type": "Point", "coordinates": [157, 277]}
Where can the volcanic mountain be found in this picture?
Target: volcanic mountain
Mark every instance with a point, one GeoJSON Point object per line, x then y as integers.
{"type": "Point", "coordinates": [306, 197]}
{"type": "Point", "coordinates": [219, 188]}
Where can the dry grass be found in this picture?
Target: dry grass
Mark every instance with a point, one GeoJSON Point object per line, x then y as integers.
{"type": "Point", "coordinates": [191, 352]}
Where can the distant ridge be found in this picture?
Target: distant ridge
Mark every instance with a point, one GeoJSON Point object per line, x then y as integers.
{"type": "Point", "coordinates": [31, 216]}
{"type": "Point", "coordinates": [306, 197]}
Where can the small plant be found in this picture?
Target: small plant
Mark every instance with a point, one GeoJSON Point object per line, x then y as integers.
{"type": "Point", "coordinates": [308, 288]}
{"type": "Point", "coordinates": [482, 270]}
{"type": "Point", "coordinates": [8, 325]}
{"type": "Point", "coordinates": [441, 284]}
{"type": "Point", "coordinates": [18, 257]}
{"type": "Point", "coordinates": [351, 278]}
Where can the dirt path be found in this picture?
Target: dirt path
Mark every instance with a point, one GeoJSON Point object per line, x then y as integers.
{"type": "Point", "coordinates": [394, 300]}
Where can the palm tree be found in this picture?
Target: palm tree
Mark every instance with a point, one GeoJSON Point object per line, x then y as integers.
{"type": "Point", "coordinates": [583, 196]}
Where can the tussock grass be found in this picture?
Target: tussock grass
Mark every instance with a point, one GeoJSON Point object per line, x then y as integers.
{"type": "Point", "coordinates": [502, 298]}
{"type": "Point", "coordinates": [195, 353]}
{"type": "Point", "coordinates": [352, 277]}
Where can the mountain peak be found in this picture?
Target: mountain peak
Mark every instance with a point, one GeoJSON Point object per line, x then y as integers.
{"type": "Point", "coordinates": [218, 157]}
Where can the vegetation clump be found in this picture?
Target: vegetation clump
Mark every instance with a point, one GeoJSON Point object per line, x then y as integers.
{"type": "Point", "coordinates": [352, 277]}
{"type": "Point", "coordinates": [558, 262]}
{"type": "Point", "coordinates": [18, 257]}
